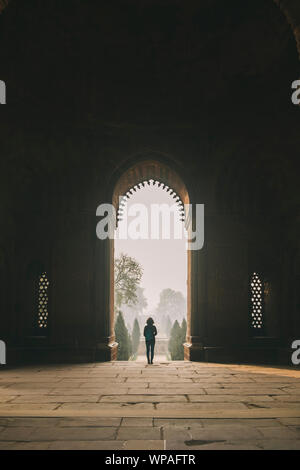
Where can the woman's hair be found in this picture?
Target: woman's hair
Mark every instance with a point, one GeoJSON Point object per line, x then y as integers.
{"type": "Point", "coordinates": [150, 321]}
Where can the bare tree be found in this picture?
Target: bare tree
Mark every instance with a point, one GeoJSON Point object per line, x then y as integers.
{"type": "Point", "coordinates": [128, 274]}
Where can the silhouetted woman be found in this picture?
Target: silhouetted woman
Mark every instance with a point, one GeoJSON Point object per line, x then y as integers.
{"type": "Point", "coordinates": [150, 332]}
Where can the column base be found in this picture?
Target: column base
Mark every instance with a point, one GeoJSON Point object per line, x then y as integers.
{"type": "Point", "coordinates": [233, 355]}
{"type": "Point", "coordinates": [39, 354]}
{"type": "Point", "coordinates": [194, 352]}
{"type": "Point", "coordinates": [106, 352]}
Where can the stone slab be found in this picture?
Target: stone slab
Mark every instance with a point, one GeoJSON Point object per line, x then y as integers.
{"type": "Point", "coordinates": [138, 433]}
{"type": "Point", "coordinates": [143, 399]}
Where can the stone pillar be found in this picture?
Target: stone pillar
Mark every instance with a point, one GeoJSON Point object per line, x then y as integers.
{"type": "Point", "coordinates": [197, 302]}
{"type": "Point", "coordinates": [106, 347]}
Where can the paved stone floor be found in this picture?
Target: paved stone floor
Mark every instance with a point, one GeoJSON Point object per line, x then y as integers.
{"type": "Point", "coordinates": [131, 405]}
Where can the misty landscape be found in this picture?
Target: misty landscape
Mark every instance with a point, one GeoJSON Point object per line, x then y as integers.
{"type": "Point", "coordinates": [150, 281]}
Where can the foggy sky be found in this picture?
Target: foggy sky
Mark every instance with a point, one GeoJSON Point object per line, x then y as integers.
{"type": "Point", "coordinates": [164, 261]}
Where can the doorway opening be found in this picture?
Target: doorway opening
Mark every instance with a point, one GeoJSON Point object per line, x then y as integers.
{"type": "Point", "coordinates": [150, 275]}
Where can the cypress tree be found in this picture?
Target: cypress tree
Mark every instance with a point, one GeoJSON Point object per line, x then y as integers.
{"type": "Point", "coordinates": [183, 337]}
{"type": "Point", "coordinates": [177, 338]}
{"type": "Point", "coordinates": [183, 330]}
{"type": "Point", "coordinates": [168, 326]}
{"type": "Point", "coordinates": [129, 345]}
{"type": "Point", "coordinates": [122, 338]}
{"type": "Point", "coordinates": [174, 339]}
{"type": "Point", "coordinates": [136, 334]}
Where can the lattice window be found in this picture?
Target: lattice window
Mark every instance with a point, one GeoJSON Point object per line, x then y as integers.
{"type": "Point", "coordinates": [256, 302]}
{"type": "Point", "coordinates": [43, 301]}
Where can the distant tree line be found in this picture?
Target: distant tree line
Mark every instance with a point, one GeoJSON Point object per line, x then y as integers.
{"type": "Point", "coordinates": [130, 298]}
{"type": "Point", "coordinates": [128, 344]}
{"type": "Point", "coordinates": [172, 304]}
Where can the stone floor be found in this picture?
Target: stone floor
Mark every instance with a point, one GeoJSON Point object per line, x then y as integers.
{"type": "Point", "coordinates": [131, 405]}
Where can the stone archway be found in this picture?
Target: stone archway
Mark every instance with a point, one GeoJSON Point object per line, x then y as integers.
{"type": "Point", "coordinates": [151, 169]}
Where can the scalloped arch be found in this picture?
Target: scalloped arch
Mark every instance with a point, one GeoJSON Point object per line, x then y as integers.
{"type": "Point", "coordinates": [153, 183]}
{"type": "Point", "coordinates": [150, 170]}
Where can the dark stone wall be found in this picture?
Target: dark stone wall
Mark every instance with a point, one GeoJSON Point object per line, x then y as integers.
{"type": "Point", "coordinates": [95, 85]}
